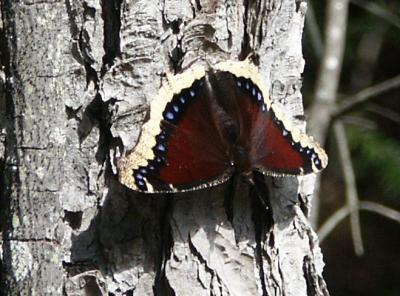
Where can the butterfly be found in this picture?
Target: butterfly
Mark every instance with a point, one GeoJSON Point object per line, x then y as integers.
{"type": "Point", "coordinates": [208, 123]}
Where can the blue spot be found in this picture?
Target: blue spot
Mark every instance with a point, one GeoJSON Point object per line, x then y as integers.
{"type": "Point", "coordinates": [158, 159]}
{"type": "Point", "coordinates": [151, 167]}
{"type": "Point", "coordinates": [263, 108]}
{"type": "Point", "coordinates": [183, 100]}
{"type": "Point", "coordinates": [247, 85]}
{"type": "Point", "coordinates": [143, 171]}
{"type": "Point", "coordinates": [238, 83]}
{"type": "Point", "coordinates": [169, 115]}
{"type": "Point", "coordinates": [162, 135]}
{"type": "Point", "coordinates": [176, 108]}
{"type": "Point", "coordinates": [253, 91]}
{"type": "Point", "coordinates": [161, 147]}
{"type": "Point", "coordinates": [139, 176]}
{"type": "Point", "coordinates": [259, 97]}
{"type": "Point", "coordinates": [316, 161]}
{"type": "Point", "coordinates": [141, 183]}
{"type": "Point", "coordinates": [192, 93]}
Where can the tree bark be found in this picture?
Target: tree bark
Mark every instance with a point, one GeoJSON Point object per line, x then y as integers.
{"type": "Point", "coordinates": [79, 77]}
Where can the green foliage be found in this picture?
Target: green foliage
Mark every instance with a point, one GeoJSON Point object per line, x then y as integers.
{"type": "Point", "coordinates": [376, 158]}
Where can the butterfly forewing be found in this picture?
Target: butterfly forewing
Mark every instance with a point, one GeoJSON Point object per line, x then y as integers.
{"type": "Point", "coordinates": [188, 153]}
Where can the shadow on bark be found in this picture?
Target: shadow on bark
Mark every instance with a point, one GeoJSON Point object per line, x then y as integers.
{"type": "Point", "coordinates": [136, 232]}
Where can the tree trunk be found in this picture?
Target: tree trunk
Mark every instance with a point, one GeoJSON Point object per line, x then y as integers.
{"type": "Point", "coordinates": [79, 77]}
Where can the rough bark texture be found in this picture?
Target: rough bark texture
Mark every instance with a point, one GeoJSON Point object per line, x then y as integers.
{"type": "Point", "coordinates": [79, 76]}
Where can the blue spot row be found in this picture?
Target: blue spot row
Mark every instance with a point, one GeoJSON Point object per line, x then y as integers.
{"type": "Point", "coordinates": [143, 174]}
{"type": "Point", "coordinates": [171, 114]}
{"type": "Point", "coordinates": [139, 178]}
{"type": "Point", "coordinates": [251, 89]}
{"type": "Point", "coordinates": [307, 152]}
{"type": "Point", "coordinates": [174, 108]}
{"type": "Point", "coordinates": [179, 102]}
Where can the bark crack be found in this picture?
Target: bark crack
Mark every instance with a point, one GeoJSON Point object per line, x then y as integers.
{"type": "Point", "coordinates": [246, 49]}
{"type": "Point", "coordinates": [2, 141]}
{"type": "Point", "coordinates": [32, 240]}
{"type": "Point", "coordinates": [203, 261]}
{"type": "Point", "coordinates": [315, 284]}
{"type": "Point", "coordinates": [259, 229]}
{"type": "Point", "coordinates": [31, 148]}
{"type": "Point", "coordinates": [198, 5]}
{"type": "Point", "coordinates": [111, 13]}
{"type": "Point", "coordinates": [39, 2]}
{"type": "Point", "coordinates": [161, 285]}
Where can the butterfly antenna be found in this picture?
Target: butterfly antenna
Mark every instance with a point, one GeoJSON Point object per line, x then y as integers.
{"type": "Point", "coordinates": [257, 188]}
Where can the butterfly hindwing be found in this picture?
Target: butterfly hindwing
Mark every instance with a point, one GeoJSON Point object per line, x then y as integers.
{"type": "Point", "coordinates": [276, 147]}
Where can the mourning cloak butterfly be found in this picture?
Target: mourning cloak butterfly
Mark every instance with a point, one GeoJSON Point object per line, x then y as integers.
{"type": "Point", "coordinates": [206, 124]}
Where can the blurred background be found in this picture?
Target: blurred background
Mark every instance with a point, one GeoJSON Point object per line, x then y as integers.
{"type": "Point", "coordinates": [362, 249]}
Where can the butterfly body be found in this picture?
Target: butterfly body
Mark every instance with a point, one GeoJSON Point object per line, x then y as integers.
{"type": "Point", "coordinates": [222, 91]}
{"type": "Point", "coordinates": [207, 124]}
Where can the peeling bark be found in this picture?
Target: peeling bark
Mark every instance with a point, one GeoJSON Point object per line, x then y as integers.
{"type": "Point", "coordinates": [78, 79]}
